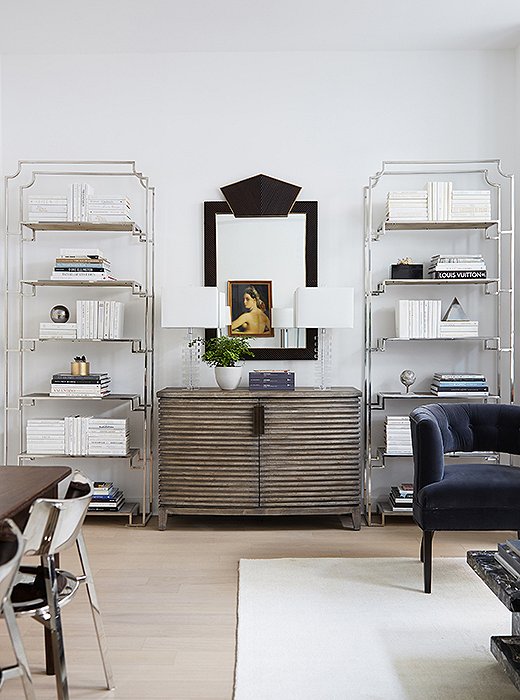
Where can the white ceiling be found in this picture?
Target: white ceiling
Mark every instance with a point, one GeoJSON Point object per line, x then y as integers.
{"type": "Point", "coordinates": [117, 26]}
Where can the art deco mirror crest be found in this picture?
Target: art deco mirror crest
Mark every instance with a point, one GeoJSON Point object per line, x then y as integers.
{"type": "Point", "coordinates": [259, 246]}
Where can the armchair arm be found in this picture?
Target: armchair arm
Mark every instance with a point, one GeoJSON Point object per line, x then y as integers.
{"type": "Point", "coordinates": [428, 448]}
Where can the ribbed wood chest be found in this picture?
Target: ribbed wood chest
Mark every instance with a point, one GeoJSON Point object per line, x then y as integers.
{"type": "Point", "coordinates": [259, 453]}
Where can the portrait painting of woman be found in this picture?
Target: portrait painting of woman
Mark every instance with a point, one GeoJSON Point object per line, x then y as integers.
{"type": "Point", "coordinates": [251, 305]}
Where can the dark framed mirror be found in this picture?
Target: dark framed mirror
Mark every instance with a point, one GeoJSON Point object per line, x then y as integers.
{"type": "Point", "coordinates": [247, 242]}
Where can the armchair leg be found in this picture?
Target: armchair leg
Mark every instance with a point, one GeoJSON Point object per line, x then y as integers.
{"type": "Point", "coordinates": [426, 552]}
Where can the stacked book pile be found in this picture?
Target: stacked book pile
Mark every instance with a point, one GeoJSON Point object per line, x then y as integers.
{"type": "Point", "coordinates": [99, 320]}
{"type": "Point", "coordinates": [81, 264]}
{"type": "Point", "coordinates": [276, 380]}
{"type": "Point", "coordinates": [407, 206]}
{"type": "Point", "coordinates": [418, 318]}
{"type": "Point", "coordinates": [471, 205]}
{"type": "Point", "coordinates": [45, 436]}
{"type": "Point", "coordinates": [398, 435]}
{"type": "Point", "coordinates": [58, 330]}
{"type": "Point", "coordinates": [108, 436]}
{"type": "Point", "coordinates": [446, 267]}
{"type": "Point", "coordinates": [109, 209]}
{"type": "Point", "coordinates": [92, 386]}
{"type": "Point", "coordinates": [508, 555]}
{"type": "Point", "coordinates": [106, 497]}
{"type": "Point", "coordinates": [47, 208]}
{"type": "Point", "coordinates": [459, 329]}
{"type": "Point", "coordinates": [451, 384]}
{"type": "Point", "coordinates": [401, 498]}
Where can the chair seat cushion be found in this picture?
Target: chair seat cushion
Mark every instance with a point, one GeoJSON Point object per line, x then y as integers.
{"type": "Point", "coordinates": [471, 497]}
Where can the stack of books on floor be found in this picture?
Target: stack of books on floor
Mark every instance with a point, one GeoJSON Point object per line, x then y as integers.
{"type": "Point", "coordinates": [47, 208]}
{"type": "Point", "coordinates": [108, 436]}
{"type": "Point", "coordinates": [401, 498]}
{"type": "Point", "coordinates": [45, 436]}
{"type": "Point", "coordinates": [109, 209]}
{"type": "Point", "coordinates": [408, 205]}
{"type": "Point", "coordinates": [99, 320]}
{"type": "Point", "coordinates": [418, 318]}
{"type": "Point", "coordinates": [457, 267]}
{"type": "Point", "coordinates": [398, 435]}
{"type": "Point", "coordinates": [446, 384]}
{"type": "Point", "coordinates": [281, 380]}
{"type": "Point", "coordinates": [58, 330]}
{"type": "Point", "coordinates": [508, 555]}
{"type": "Point", "coordinates": [471, 205]}
{"type": "Point", "coordinates": [106, 497]}
{"type": "Point", "coordinates": [85, 386]}
{"type": "Point", "coordinates": [81, 264]}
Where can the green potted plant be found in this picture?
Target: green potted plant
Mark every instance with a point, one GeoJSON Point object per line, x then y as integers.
{"type": "Point", "coordinates": [223, 353]}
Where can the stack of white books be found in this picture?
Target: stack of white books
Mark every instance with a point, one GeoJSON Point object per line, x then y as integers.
{"type": "Point", "coordinates": [457, 267]}
{"type": "Point", "coordinates": [76, 435]}
{"type": "Point", "coordinates": [398, 435]}
{"type": "Point", "coordinates": [101, 320]}
{"type": "Point", "coordinates": [89, 386]}
{"type": "Point", "coordinates": [418, 318]}
{"type": "Point", "coordinates": [410, 205]}
{"type": "Point", "coordinates": [79, 195]}
{"type": "Point", "coordinates": [108, 436]}
{"type": "Point", "coordinates": [459, 329]}
{"type": "Point", "coordinates": [58, 330]}
{"type": "Point", "coordinates": [47, 208]}
{"type": "Point", "coordinates": [471, 205]}
{"type": "Point", "coordinates": [45, 436]}
{"type": "Point", "coordinates": [109, 209]}
{"type": "Point", "coordinates": [81, 264]}
{"type": "Point", "coordinates": [439, 200]}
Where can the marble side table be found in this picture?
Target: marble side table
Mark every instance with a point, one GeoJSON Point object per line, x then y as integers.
{"type": "Point", "coordinates": [506, 587]}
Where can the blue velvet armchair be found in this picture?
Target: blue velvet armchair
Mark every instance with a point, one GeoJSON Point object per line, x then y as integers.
{"type": "Point", "coordinates": [463, 496]}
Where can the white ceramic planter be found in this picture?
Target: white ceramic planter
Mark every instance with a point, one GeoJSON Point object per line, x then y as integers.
{"type": "Point", "coordinates": [228, 378]}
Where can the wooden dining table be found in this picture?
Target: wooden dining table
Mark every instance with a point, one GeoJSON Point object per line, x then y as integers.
{"type": "Point", "coordinates": [19, 488]}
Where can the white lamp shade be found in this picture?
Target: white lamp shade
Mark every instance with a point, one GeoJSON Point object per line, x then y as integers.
{"type": "Point", "coordinates": [190, 307]}
{"type": "Point", "coordinates": [282, 317]}
{"type": "Point", "coordinates": [324, 307]}
{"type": "Point", "coordinates": [224, 312]}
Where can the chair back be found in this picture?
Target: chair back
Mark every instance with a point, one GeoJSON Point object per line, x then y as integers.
{"type": "Point", "coordinates": [54, 524]}
{"type": "Point", "coordinates": [469, 427]}
{"type": "Point", "coordinates": [11, 552]}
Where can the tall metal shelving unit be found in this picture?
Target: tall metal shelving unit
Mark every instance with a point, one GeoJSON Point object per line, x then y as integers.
{"type": "Point", "coordinates": [385, 355]}
{"type": "Point", "coordinates": [26, 275]}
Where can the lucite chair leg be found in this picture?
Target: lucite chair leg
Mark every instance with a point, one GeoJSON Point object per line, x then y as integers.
{"type": "Point", "coordinates": [94, 608]}
{"type": "Point", "coordinates": [56, 631]}
{"type": "Point", "coordinates": [22, 669]}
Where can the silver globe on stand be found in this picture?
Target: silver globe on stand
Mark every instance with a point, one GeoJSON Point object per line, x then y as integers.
{"type": "Point", "coordinates": [59, 314]}
{"type": "Point", "coordinates": [407, 377]}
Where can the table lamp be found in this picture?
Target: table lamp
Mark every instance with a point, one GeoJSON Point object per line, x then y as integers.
{"type": "Point", "coordinates": [283, 318]}
{"type": "Point", "coordinates": [324, 308]}
{"type": "Point", "coordinates": [190, 307]}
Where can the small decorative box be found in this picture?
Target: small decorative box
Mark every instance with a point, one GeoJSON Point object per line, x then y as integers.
{"type": "Point", "coordinates": [410, 271]}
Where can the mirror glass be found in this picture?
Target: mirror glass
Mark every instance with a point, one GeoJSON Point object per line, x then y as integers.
{"type": "Point", "coordinates": [280, 253]}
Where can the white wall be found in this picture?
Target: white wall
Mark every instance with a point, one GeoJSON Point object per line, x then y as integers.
{"type": "Point", "coordinates": [196, 121]}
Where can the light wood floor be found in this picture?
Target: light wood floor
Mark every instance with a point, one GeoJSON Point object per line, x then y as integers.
{"type": "Point", "coordinates": [169, 598]}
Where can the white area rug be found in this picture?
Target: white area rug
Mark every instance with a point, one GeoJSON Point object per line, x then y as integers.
{"type": "Point", "coordinates": [342, 629]}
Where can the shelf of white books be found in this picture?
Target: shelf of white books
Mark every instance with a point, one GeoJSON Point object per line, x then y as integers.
{"type": "Point", "coordinates": [383, 396]}
{"type": "Point", "coordinates": [132, 454]}
{"type": "Point", "coordinates": [430, 281]}
{"type": "Point", "coordinates": [434, 225]}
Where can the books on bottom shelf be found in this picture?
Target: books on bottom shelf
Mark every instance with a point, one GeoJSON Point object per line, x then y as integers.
{"type": "Point", "coordinates": [106, 497]}
{"type": "Point", "coordinates": [400, 500]}
{"type": "Point", "coordinates": [398, 435]}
